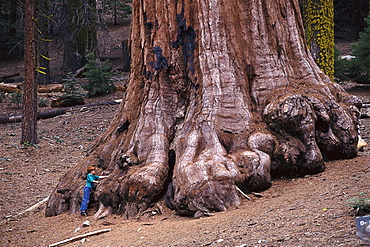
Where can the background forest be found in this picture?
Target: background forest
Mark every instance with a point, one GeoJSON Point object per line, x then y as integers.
{"type": "Point", "coordinates": [71, 25]}
{"type": "Point", "coordinates": [57, 19]}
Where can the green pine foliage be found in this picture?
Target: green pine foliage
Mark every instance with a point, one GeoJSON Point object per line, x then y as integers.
{"type": "Point", "coordinates": [361, 204]}
{"type": "Point", "coordinates": [98, 77]}
{"type": "Point", "coordinates": [341, 67]}
{"type": "Point", "coordinates": [357, 69]}
{"type": "Point", "coordinates": [15, 99]}
{"type": "Point", "coordinates": [72, 85]}
{"type": "Point", "coordinates": [117, 8]}
{"type": "Point", "coordinates": [361, 49]}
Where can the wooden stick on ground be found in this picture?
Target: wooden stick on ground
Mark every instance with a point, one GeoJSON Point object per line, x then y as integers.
{"type": "Point", "coordinates": [241, 192]}
{"type": "Point", "coordinates": [34, 206]}
{"type": "Point", "coordinates": [79, 237]}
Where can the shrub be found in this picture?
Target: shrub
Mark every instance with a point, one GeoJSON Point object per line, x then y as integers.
{"type": "Point", "coordinates": [357, 69]}
{"type": "Point", "coordinates": [360, 204]}
{"type": "Point", "coordinates": [15, 99]}
{"type": "Point", "coordinates": [341, 66]}
{"type": "Point", "coordinates": [98, 77]}
{"type": "Point", "coordinates": [361, 50]}
{"type": "Point", "coordinates": [71, 85]}
{"type": "Point", "coordinates": [42, 102]}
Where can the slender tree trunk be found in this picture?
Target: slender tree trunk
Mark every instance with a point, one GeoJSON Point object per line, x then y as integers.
{"type": "Point", "coordinates": [29, 122]}
{"type": "Point", "coordinates": [115, 14]}
{"type": "Point", "coordinates": [126, 56]}
{"type": "Point", "coordinates": [222, 93]}
{"type": "Point", "coordinates": [12, 28]}
{"type": "Point", "coordinates": [43, 77]}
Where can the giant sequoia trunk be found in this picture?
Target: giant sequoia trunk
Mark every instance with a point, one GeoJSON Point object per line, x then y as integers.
{"type": "Point", "coordinates": [222, 93]}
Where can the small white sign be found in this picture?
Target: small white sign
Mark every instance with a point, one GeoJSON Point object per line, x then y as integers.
{"type": "Point", "coordinates": [361, 221]}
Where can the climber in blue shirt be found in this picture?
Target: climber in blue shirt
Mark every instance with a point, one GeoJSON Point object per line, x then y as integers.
{"type": "Point", "coordinates": [90, 184]}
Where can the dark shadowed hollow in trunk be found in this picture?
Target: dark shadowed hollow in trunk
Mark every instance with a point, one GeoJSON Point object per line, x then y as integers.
{"type": "Point", "coordinates": [222, 94]}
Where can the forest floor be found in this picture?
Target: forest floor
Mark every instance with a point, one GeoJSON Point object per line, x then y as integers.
{"type": "Point", "coordinates": [307, 211]}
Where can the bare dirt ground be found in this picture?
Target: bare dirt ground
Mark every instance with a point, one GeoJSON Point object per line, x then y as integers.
{"type": "Point", "coordinates": [308, 211]}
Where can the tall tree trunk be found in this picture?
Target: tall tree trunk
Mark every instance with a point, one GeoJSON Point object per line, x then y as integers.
{"type": "Point", "coordinates": [319, 21]}
{"type": "Point", "coordinates": [126, 56]}
{"type": "Point", "coordinates": [12, 27]}
{"type": "Point", "coordinates": [43, 77]}
{"type": "Point", "coordinates": [81, 38]}
{"type": "Point", "coordinates": [222, 93]}
{"type": "Point", "coordinates": [115, 14]}
{"type": "Point", "coordinates": [29, 122]}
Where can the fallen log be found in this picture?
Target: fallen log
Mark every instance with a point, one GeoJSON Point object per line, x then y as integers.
{"type": "Point", "coordinates": [79, 237]}
{"type": "Point", "coordinates": [40, 115]}
{"type": "Point", "coordinates": [9, 88]}
{"type": "Point", "coordinates": [15, 87]}
{"type": "Point", "coordinates": [53, 113]}
{"type": "Point", "coordinates": [50, 88]}
{"type": "Point", "coordinates": [67, 100]}
{"type": "Point", "coordinates": [79, 72]}
{"type": "Point", "coordinates": [9, 76]}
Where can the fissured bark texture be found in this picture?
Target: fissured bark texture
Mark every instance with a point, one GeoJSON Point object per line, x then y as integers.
{"type": "Point", "coordinates": [222, 94]}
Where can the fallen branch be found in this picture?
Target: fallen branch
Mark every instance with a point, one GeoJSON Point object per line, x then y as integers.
{"type": "Point", "coordinates": [54, 113]}
{"type": "Point", "coordinates": [29, 209]}
{"type": "Point", "coordinates": [34, 206]}
{"type": "Point", "coordinates": [79, 237]}
{"type": "Point", "coordinates": [80, 71]}
{"type": "Point", "coordinates": [256, 194]}
{"type": "Point", "coordinates": [40, 115]}
{"type": "Point", "coordinates": [8, 78]}
{"type": "Point", "coordinates": [241, 192]}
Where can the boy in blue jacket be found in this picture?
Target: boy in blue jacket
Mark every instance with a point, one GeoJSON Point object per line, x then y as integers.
{"type": "Point", "coordinates": [91, 179]}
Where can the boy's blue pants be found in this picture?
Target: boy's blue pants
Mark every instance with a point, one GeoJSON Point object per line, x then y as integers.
{"type": "Point", "coordinates": [86, 199]}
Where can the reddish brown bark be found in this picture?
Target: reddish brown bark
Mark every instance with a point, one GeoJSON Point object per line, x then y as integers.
{"type": "Point", "coordinates": [222, 93]}
{"type": "Point", "coordinates": [29, 122]}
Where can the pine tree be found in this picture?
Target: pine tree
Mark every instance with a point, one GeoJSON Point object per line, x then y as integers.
{"type": "Point", "coordinates": [98, 76]}
{"type": "Point", "coordinates": [360, 66]}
